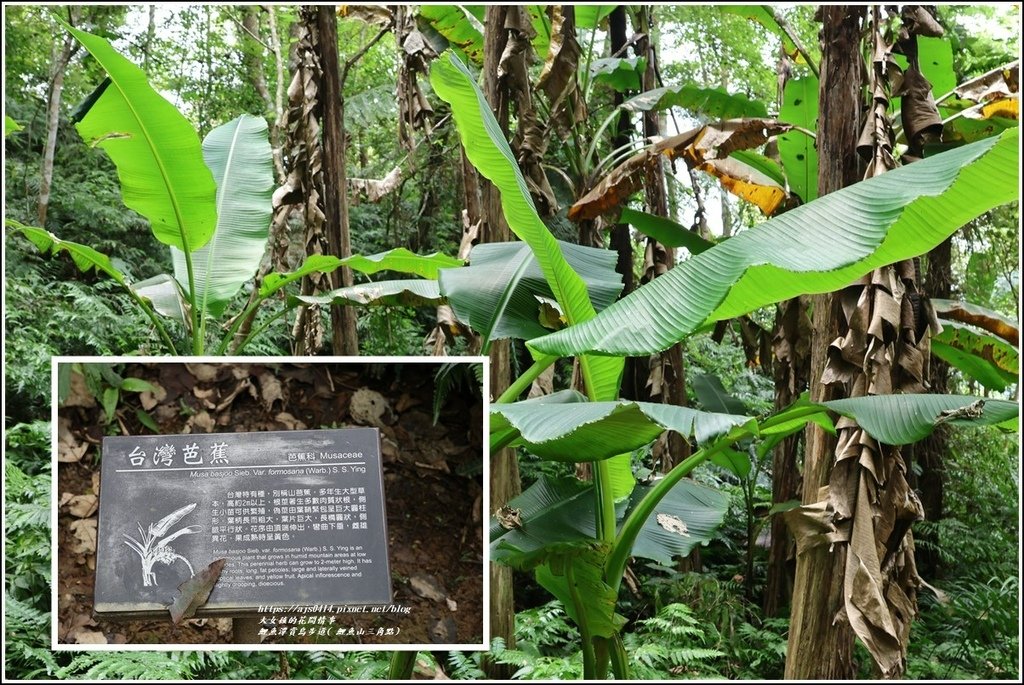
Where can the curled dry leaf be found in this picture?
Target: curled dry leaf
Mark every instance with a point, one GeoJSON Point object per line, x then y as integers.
{"type": "Point", "coordinates": [696, 147]}
{"type": "Point", "coordinates": [151, 398]}
{"type": "Point", "coordinates": [193, 593]}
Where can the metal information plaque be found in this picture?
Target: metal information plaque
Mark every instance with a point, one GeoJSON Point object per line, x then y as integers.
{"type": "Point", "coordinates": [299, 516]}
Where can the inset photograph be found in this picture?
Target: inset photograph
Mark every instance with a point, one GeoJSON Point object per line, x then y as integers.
{"type": "Point", "coordinates": [269, 503]}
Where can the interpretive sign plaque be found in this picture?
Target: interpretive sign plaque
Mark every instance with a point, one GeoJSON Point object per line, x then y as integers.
{"type": "Point", "coordinates": [298, 515]}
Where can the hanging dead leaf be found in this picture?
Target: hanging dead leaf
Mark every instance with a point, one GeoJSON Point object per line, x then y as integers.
{"type": "Point", "coordinates": [85, 534]}
{"type": "Point", "coordinates": [376, 15]}
{"type": "Point", "coordinates": [695, 147]}
{"type": "Point", "coordinates": [375, 189]}
{"type": "Point", "coordinates": [1002, 82]}
{"type": "Point", "coordinates": [193, 593]}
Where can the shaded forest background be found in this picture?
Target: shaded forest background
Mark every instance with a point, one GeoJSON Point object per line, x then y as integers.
{"type": "Point", "coordinates": [712, 614]}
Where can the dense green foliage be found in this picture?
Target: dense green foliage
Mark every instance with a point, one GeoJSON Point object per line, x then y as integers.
{"type": "Point", "coordinates": [673, 622]}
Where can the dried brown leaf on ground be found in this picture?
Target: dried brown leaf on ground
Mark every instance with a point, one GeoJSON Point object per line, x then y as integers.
{"type": "Point", "coordinates": [85, 534]}
{"type": "Point", "coordinates": [69, 449]}
{"type": "Point", "coordinates": [81, 506]}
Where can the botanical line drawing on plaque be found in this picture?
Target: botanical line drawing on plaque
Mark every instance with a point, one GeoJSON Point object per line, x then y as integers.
{"type": "Point", "coordinates": [152, 549]}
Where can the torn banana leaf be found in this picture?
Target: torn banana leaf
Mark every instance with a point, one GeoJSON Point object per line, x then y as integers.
{"type": "Point", "coordinates": [405, 293]}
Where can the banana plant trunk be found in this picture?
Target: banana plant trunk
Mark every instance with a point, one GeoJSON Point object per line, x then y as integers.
{"type": "Point", "coordinates": [819, 646]}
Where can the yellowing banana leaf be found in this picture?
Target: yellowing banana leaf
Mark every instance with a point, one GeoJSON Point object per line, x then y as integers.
{"type": "Point", "coordinates": [695, 147]}
{"type": "Point", "coordinates": [461, 27]}
{"type": "Point", "coordinates": [975, 315]}
{"type": "Point", "coordinates": [748, 183]}
{"type": "Point", "coordinates": [500, 293]}
{"type": "Point", "coordinates": [814, 248]}
{"type": "Point", "coordinates": [157, 152]}
{"type": "Point", "coordinates": [239, 155]}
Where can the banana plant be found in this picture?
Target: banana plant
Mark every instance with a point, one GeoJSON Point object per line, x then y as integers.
{"type": "Point", "coordinates": [209, 202]}
{"type": "Point", "coordinates": [577, 538]}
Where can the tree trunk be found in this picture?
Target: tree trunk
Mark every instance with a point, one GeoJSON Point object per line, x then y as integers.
{"type": "Point", "coordinates": [504, 477]}
{"type": "Point", "coordinates": [791, 347]}
{"type": "Point", "coordinates": [929, 452]}
{"type": "Point", "coordinates": [252, 56]}
{"type": "Point", "coordinates": [58, 65]}
{"type": "Point", "coordinates": [819, 646]}
{"type": "Point", "coordinates": [344, 339]}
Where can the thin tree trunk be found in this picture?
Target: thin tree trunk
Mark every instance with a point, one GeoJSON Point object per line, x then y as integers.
{"type": "Point", "coordinates": [58, 66]}
{"type": "Point", "coordinates": [252, 55]}
{"type": "Point", "coordinates": [147, 47]}
{"type": "Point", "coordinates": [344, 339]}
{"type": "Point", "coordinates": [277, 128]}
{"type": "Point", "coordinates": [819, 646]}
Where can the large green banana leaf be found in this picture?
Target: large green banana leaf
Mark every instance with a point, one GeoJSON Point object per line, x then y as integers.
{"type": "Point", "coordinates": [239, 155]}
{"type": "Point", "coordinates": [461, 27]}
{"type": "Point", "coordinates": [815, 248]}
{"type": "Point", "coordinates": [157, 152]}
{"type": "Point", "coordinates": [565, 427]}
{"type": "Point", "coordinates": [574, 574]}
{"type": "Point", "coordinates": [497, 294]}
{"type": "Point", "coordinates": [986, 358]}
{"type": "Point", "coordinates": [489, 152]}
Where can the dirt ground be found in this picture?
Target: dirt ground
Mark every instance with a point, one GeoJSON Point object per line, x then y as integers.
{"type": "Point", "coordinates": [432, 481]}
